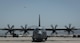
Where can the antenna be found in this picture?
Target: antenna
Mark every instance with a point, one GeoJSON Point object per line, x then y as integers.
{"type": "Point", "coordinates": [39, 21]}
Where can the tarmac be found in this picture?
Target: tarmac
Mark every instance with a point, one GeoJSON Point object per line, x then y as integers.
{"type": "Point", "coordinates": [49, 40]}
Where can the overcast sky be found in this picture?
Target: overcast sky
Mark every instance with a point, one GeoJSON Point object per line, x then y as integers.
{"type": "Point", "coordinates": [21, 12]}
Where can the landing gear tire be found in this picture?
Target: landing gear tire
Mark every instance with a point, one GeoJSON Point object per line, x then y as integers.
{"type": "Point", "coordinates": [45, 39]}
{"type": "Point", "coordinates": [34, 40]}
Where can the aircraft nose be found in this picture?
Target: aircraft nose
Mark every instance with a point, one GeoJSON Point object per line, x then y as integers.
{"type": "Point", "coordinates": [39, 32]}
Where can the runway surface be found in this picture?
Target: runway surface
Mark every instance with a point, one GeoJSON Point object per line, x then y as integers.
{"type": "Point", "coordinates": [29, 40]}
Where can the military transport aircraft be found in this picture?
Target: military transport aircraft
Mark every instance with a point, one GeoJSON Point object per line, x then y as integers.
{"type": "Point", "coordinates": [39, 33]}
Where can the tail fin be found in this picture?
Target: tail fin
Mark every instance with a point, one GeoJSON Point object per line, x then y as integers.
{"type": "Point", "coordinates": [39, 21]}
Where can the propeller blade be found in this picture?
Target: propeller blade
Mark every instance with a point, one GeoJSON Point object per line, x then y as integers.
{"type": "Point", "coordinates": [22, 27]}
{"type": "Point", "coordinates": [68, 32]}
{"type": "Point", "coordinates": [56, 32]}
{"type": "Point", "coordinates": [52, 26]}
{"type": "Point", "coordinates": [12, 26]}
{"type": "Point", "coordinates": [8, 26]}
{"type": "Point", "coordinates": [69, 26]}
{"type": "Point", "coordinates": [25, 26]}
{"type": "Point", "coordinates": [10, 32]}
{"type": "Point", "coordinates": [66, 27]}
{"type": "Point", "coordinates": [6, 33]}
{"type": "Point", "coordinates": [73, 28]}
{"type": "Point", "coordinates": [72, 32]}
{"type": "Point", "coordinates": [56, 26]}
{"type": "Point", "coordinates": [24, 32]}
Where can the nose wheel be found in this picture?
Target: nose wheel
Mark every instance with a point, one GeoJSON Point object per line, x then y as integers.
{"type": "Point", "coordinates": [33, 39]}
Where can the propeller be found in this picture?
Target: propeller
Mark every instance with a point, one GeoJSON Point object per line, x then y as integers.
{"type": "Point", "coordinates": [24, 29]}
{"type": "Point", "coordinates": [54, 29]}
{"type": "Point", "coordinates": [10, 29]}
{"type": "Point", "coordinates": [69, 29]}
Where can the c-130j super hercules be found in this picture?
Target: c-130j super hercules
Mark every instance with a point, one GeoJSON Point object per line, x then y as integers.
{"type": "Point", "coordinates": [39, 33]}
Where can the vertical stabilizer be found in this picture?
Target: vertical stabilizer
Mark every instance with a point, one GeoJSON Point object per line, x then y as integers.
{"type": "Point", "coordinates": [39, 21]}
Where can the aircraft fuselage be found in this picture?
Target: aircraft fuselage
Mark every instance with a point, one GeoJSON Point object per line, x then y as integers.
{"type": "Point", "coordinates": [39, 35]}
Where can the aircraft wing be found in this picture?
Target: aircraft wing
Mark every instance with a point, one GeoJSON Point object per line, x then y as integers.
{"type": "Point", "coordinates": [48, 29]}
{"type": "Point", "coordinates": [60, 29]}
{"type": "Point", "coordinates": [15, 29]}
